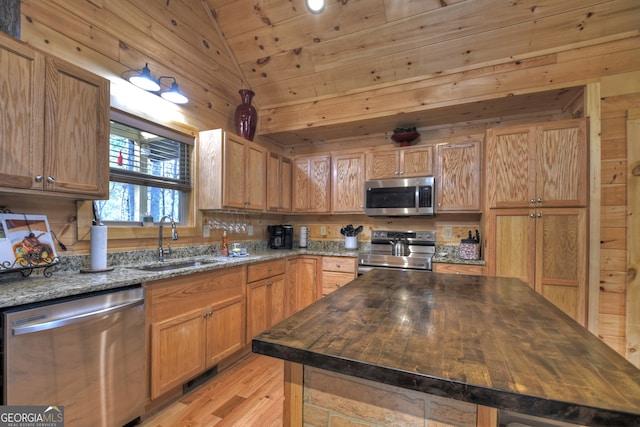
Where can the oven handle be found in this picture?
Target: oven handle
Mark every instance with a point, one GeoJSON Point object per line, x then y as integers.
{"type": "Point", "coordinates": [81, 317]}
{"type": "Point", "coordinates": [366, 268]}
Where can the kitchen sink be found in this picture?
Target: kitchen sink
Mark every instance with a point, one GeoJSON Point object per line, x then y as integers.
{"type": "Point", "coordinates": [175, 266]}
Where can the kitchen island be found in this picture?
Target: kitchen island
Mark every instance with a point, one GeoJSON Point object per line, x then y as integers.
{"type": "Point", "coordinates": [467, 344]}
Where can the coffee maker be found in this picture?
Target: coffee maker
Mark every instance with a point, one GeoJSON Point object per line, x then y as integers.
{"type": "Point", "coordinates": [280, 236]}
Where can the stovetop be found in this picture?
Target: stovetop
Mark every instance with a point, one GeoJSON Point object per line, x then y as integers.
{"type": "Point", "coordinates": [421, 250]}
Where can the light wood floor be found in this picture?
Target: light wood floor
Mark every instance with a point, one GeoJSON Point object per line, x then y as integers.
{"type": "Point", "coordinates": [249, 393]}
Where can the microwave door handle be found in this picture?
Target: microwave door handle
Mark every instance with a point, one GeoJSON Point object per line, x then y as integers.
{"type": "Point", "coordinates": [417, 201]}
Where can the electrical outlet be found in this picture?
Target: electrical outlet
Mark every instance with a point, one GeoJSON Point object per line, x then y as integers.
{"type": "Point", "coordinates": [249, 230]}
{"type": "Point", "coordinates": [448, 233]}
{"type": "Point", "coordinates": [323, 230]}
{"type": "Point", "coordinates": [206, 230]}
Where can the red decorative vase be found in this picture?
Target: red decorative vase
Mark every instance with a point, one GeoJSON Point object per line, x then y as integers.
{"type": "Point", "coordinates": [246, 116]}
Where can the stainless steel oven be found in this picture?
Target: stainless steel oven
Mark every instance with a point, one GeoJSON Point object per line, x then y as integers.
{"type": "Point", "coordinates": [420, 250]}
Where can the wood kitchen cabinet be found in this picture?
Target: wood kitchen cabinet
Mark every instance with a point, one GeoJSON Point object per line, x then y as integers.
{"type": "Point", "coordinates": [279, 169]}
{"type": "Point", "coordinates": [302, 282]}
{"type": "Point", "coordinates": [337, 272]}
{"type": "Point", "coordinates": [265, 296]}
{"type": "Point", "coordinates": [347, 182]}
{"type": "Point", "coordinates": [537, 165]}
{"type": "Point", "coordinates": [56, 138]}
{"type": "Point", "coordinates": [311, 187]}
{"type": "Point", "coordinates": [546, 248]}
{"type": "Point", "coordinates": [232, 172]}
{"type": "Point", "coordinates": [400, 162]}
{"type": "Point", "coordinates": [195, 322]}
{"type": "Point", "coordinates": [458, 177]}
{"type": "Point", "coordinates": [464, 269]}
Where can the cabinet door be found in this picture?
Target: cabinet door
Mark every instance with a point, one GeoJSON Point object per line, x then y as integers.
{"type": "Point", "coordinates": [458, 180]}
{"type": "Point", "coordinates": [256, 176]}
{"type": "Point", "coordinates": [279, 171]}
{"type": "Point", "coordinates": [562, 164]}
{"type": "Point", "coordinates": [511, 244]}
{"type": "Point", "coordinates": [416, 161]}
{"type": "Point", "coordinates": [382, 164]}
{"type": "Point", "coordinates": [177, 350]}
{"type": "Point", "coordinates": [277, 302]}
{"type": "Point", "coordinates": [561, 259]}
{"type": "Point", "coordinates": [234, 195]}
{"type": "Point", "coordinates": [311, 184]}
{"type": "Point", "coordinates": [76, 130]}
{"type": "Point", "coordinates": [22, 115]}
{"type": "Point", "coordinates": [511, 167]}
{"type": "Point", "coordinates": [347, 188]}
{"type": "Point", "coordinates": [307, 282]}
{"type": "Point", "coordinates": [257, 309]}
{"type": "Point", "coordinates": [273, 182]}
{"type": "Point", "coordinates": [225, 330]}
{"type": "Point", "coordinates": [286, 173]}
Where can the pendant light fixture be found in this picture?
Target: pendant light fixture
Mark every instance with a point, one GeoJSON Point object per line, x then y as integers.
{"type": "Point", "coordinates": [173, 95]}
{"type": "Point", "coordinates": [315, 6]}
{"type": "Point", "coordinates": [144, 80]}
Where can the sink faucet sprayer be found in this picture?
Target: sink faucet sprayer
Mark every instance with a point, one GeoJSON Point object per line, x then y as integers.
{"type": "Point", "coordinates": [174, 236]}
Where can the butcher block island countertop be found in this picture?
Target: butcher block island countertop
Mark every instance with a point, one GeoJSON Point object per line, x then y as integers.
{"type": "Point", "coordinates": [489, 341]}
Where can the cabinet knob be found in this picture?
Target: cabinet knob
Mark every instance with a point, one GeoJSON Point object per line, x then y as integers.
{"type": "Point", "coordinates": [269, 269]}
{"type": "Point", "coordinates": [532, 215]}
{"type": "Point", "coordinates": [337, 285]}
{"type": "Point", "coordinates": [532, 201]}
{"type": "Point", "coordinates": [401, 173]}
{"type": "Point", "coordinates": [539, 214]}
{"type": "Point", "coordinates": [51, 179]}
{"type": "Point", "coordinates": [39, 178]}
{"type": "Point", "coordinates": [337, 265]}
{"type": "Point", "coordinates": [539, 200]}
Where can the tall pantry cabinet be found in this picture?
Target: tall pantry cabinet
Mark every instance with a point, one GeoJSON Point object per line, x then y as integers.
{"type": "Point", "coordinates": [536, 228]}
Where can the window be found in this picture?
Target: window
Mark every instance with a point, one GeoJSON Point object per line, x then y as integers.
{"type": "Point", "coordinates": [150, 172]}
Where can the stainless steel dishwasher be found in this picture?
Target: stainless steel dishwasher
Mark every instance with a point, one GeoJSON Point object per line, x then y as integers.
{"type": "Point", "coordinates": [86, 354]}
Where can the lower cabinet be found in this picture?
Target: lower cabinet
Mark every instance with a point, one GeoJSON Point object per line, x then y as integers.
{"type": "Point", "coordinates": [265, 296]}
{"type": "Point", "coordinates": [337, 272]}
{"type": "Point", "coordinates": [471, 270]}
{"type": "Point", "coordinates": [302, 282]}
{"type": "Point", "coordinates": [195, 322]}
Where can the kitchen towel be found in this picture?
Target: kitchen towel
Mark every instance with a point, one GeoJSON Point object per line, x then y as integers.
{"type": "Point", "coordinates": [98, 247]}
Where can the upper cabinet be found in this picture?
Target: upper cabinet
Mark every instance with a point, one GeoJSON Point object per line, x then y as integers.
{"type": "Point", "coordinates": [311, 188]}
{"type": "Point", "coordinates": [56, 133]}
{"type": "Point", "coordinates": [400, 163]}
{"type": "Point", "coordinates": [458, 177]}
{"type": "Point", "coordinates": [279, 169]}
{"type": "Point", "coordinates": [232, 172]}
{"type": "Point", "coordinates": [347, 185]}
{"type": "Point", "coordinates": [538, 165]}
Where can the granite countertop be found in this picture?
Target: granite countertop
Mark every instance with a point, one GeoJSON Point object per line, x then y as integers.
{"type": "Point", "coordinates": [485, 340]}
{"type": "Point", "coordinates": [37, 288]}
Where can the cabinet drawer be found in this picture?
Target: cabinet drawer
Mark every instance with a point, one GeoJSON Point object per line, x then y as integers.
{"type": "Point", "coordinates": [332, 280]}
{"type": "Point", "coordinates": [339, 264]}
{"type": "Point", "coordinates": [473, 270]}
{"type": "Point", "coordinates": [177, 295]}
{"type": "Point", "coordinates": [265, 269]}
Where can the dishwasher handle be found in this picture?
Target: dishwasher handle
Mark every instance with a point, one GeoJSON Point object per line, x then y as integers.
{"type": "Point", "coordinates": [76, 318]}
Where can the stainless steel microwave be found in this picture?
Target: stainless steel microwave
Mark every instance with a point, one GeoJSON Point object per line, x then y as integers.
{"type": "Point", "coordinates": [400, 197]}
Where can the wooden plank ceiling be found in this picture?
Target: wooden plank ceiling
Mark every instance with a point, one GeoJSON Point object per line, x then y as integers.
{"type": "Point", "coordinates": [295, 61]}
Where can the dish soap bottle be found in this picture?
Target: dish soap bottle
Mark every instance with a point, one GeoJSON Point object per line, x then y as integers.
{"type": "Point", "coordinates": [224, 250]}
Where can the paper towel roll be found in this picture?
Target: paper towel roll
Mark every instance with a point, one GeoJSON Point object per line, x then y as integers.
{"type": "Point", "coordinates": [98, 247]}
{"type": "Point", "coordinates": [303, 237]}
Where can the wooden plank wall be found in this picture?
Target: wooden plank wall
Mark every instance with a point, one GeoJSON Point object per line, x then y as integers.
{"type": "Point", "coordinates": [619, 95]}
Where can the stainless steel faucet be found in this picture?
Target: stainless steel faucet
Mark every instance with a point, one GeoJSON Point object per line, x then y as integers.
{"type": "Point", "coordinates": [174, 236]}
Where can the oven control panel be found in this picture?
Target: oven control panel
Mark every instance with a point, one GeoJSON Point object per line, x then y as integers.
{"type": "Point", "coordinates": [416, 236]}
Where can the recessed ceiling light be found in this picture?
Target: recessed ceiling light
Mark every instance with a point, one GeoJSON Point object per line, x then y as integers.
{"type": "Point", "coordinates": [315, 6]}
